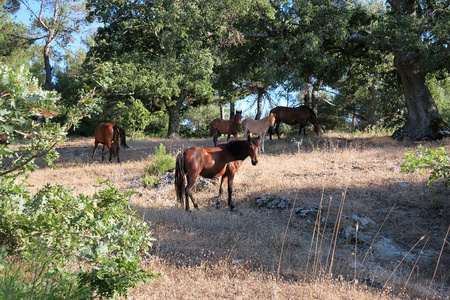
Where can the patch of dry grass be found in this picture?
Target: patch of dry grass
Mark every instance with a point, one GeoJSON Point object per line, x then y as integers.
{"type": "Point", "coordinates": [215, 254]}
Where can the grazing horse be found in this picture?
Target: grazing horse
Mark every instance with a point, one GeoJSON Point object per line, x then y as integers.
{"type": "Point", "coordinates": [258, 127]}
{"type": "Point", "coordinates": [109, 135]}
{"type": "Point", "coordinates": [223, 160]}
{"type": "Point", "coordinates": [230, 127]}
{"type": "Point", "coordinates": [294, 115]}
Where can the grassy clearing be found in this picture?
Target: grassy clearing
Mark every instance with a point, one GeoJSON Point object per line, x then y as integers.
{"type": "Point", "coordinates": [214, 254]}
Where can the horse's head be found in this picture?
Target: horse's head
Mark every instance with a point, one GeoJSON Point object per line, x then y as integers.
{"type": "Point", "coordinates": [272, 117]}
{"type": "Point", "coordinates": [316, 128]}
{"type": "Point", "coordinates": [238, 117]}
{"type": "Point", "coordinates": [253, 148]}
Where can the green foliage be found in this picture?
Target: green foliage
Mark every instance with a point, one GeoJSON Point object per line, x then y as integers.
{"type": "Point", "coordinates": [198, 120]}
{"type": "Point", "coordinates": [437, 161]}
{"type": "Point", "coordinates": [150, 180]}
{"type": "Point", "coordinates": [21, 99]}
{"type": "Point", "coordinates": [34, 276]}
{"type": "Point", "coordinates": [160, 163]}
{"type": "Point", "coordinates": [133, 116]}
{"type": "Point", "coordinates": [101, 234]}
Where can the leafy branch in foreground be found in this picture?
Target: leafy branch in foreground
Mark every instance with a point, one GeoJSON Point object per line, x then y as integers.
{"type": "Point", "coordinates": [22, 103]}
{"type": "Point", "coordinates": [437, 160]}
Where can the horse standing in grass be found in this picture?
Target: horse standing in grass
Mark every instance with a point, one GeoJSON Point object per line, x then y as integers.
{"type": "Point", "coordinates": [258, 127]}
{"type": "Point", "coordinates": [223, 160]}
{"type": "Point", "coordinates": [294, 115]}
{"type": "Point", "coordinates": [230, 127]}
{"type": "Point", "coordinates": [109, 135]}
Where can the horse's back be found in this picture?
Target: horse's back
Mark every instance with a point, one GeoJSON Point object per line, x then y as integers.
{"type": "Point", "coordinates": [292, 115]}
{"type": "Point", "coordinates": [104, 133]}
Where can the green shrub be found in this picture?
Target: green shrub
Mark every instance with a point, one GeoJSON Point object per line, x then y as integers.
{"type": "Point", "coordinates": [436, 160]}
{"type": "Point", "coordinates": [44, 235]}
{"type": "Point", "coordinates": [149, 181]}
{"type": "Point", "coordinates": [161, 162]}
{"type": "Point", "coordinates": [101, 234]}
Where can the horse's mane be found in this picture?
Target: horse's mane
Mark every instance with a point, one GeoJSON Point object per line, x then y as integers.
{"type": "Point", "coordinates": [310, 110]}
{"type": "Point", "coordinates": [236, 147]}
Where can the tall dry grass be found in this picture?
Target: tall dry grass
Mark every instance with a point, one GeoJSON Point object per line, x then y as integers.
{"type": "Point", "coordinates": [215, 254]}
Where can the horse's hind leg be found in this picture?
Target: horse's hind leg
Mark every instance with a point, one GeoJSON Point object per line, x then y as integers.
{"type": "Point", "coordinates": [220, 191]}
{"type": "Point", "coordinates": [95, 150]}
{"type": "Point", "coordinates": [187, 191]}
{"type": "Point", "coordinates": [103, 152]}
{"type": "Point", "coordinates": [230, 192]}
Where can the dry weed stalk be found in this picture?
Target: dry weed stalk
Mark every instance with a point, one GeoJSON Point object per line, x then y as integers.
{"type": "Point", "coordinates": [415, 263]}
{"type": "Point", "coordinates": [317, 225]}
{"type": "Point", "coordinates": [376, 235]}
{"type": "Point", "coordinates": [438, 261]}
{"type": "Point", "coordinates": [403, 259]}
{"type": "Point", "coordinates": [337, 224]}
{"type": "Point", "coordinates": [284, 236]}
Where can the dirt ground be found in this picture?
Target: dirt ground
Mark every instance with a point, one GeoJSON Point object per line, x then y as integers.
{"type": "Point", "coordinates": [376, 225]}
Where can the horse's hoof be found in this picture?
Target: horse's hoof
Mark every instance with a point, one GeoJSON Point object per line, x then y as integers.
{"type": "Point", "coordinates": [233, 209]}
{"type": "Point", "coordinates": [217, 205]}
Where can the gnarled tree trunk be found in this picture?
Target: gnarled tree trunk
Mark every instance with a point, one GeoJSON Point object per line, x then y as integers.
{"type": "Point", "coordinates": [424, 120]}
{"type": "Point", "coordinates": [175, 116]}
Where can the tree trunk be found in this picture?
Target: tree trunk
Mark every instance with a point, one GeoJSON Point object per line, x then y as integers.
{"type": "Point", "coordinates": [370, 113]}
{"type": "Point", "coordinates": [175, 116]}
{"type": "Point", "coordinates": [232, 110]}
{"type": "Point", "coordinates": [424, 120]}
{"type": "Point", "coordinates": [315, 97]}
{"type": "Point", "coordinates": [259, 104]}
{"type": "Point", "coordinates": [306, 97]}
{"type": "Point", "coordinates": [48, 67]}
{"type": "Point", "coordinates": [222, 111]}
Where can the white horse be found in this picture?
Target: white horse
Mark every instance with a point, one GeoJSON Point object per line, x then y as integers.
{"type": "Point", "coordinates": [258, 127]}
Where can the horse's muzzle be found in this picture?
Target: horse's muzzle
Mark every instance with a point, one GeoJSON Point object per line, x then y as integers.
{"type": "Point", "coordinates": [254, 162]}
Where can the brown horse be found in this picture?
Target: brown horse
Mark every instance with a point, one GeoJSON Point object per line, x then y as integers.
{"type": "Point", "coordinates": [294, 115]}
{"type": "Point", "coordinates": [109, 135]}
{"type": "Point", "coordinates": [230, 127]}
{"type": "Point", "coordinates": [258, 127]}
{"type": "Point", "coordinates": [223, 160]}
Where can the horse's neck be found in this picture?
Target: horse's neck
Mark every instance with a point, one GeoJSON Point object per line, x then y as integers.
{"type": "Point", "coordinates": [236, 149]}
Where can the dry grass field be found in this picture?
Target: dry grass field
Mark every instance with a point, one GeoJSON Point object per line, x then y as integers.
{"type": "Point", "coordinates": [266, 250]}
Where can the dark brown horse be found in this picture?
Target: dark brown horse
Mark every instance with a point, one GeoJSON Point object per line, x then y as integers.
{"type": "Point", "coordinates": [230, 127]}
{"type": "Point", "coordinates": [109, 135]}
{"type": "Point", "coordinates": [223, 160]}
{"type": "Point", "coordinates": [294, 115]}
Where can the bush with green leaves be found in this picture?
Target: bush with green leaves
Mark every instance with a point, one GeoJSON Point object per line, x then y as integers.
{"type": "Point", "coordinates": [134, 117]}
{"type": "Point", "coordinates": [84, 247]}
{"type": "Point", "coordinates": [100, 234]}
{"type": "Point", "coordinates": [436, 160]}
{"type": "Point", "coordinates": [158, 164]}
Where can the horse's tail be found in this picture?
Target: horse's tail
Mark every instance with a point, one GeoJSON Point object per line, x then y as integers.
{"type": "Point", "coordinates": [123, 137]}
{"type": "Point", "coordinates": [115, 137]}
{"type": "Point", "coordinates": [179, 177]}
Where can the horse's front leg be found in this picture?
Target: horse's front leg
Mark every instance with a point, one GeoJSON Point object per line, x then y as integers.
{"type": "Point", "coordinates": [263, 135]}
{"type": "Point", "coordinates": [215, 139]}
{"type": "Point", "coordinates": [220, 191]}
{"type": "Point", "coordinates": [276, 129]}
